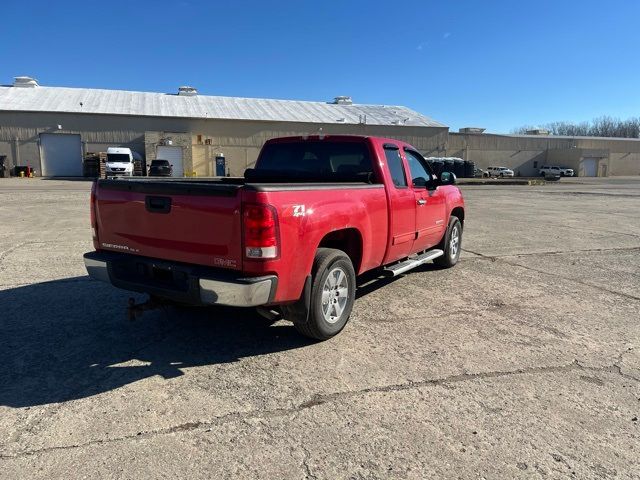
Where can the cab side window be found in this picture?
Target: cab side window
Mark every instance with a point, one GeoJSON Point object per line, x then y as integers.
{"type": "Point", "coordinates": [420, 173]}
{"type": "Point", "coordinates": [396, 168]}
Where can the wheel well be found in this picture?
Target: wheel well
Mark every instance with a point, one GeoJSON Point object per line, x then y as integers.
{"type": "Point", "coordinates": [349, 241]}
{"type": "Point", "coordinates": [458, 212]}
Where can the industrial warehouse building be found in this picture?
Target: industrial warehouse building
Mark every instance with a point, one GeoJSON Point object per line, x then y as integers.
{"type": "Point", "coordinates": [51, 129]}
{"type": "Point", "coordinates": [525, 154]}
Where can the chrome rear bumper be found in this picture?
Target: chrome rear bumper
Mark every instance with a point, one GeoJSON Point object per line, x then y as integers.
{"type": "Point", "coordinates": [203, 288]}
{"type": "Point", "coordinates": [243, 293]}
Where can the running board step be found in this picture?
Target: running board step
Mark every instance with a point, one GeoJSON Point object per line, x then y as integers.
{"type": "Point", "coordinates": [398, 268]}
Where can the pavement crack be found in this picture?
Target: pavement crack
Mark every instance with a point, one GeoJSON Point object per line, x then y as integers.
{"type": "Point", "coordinates": [618, 369]}
{"type": "Point", "coordinates": [597, 287]}
{"type": "Point", "coordinates": [618, 365]}
{"type": "Point", "coordinates": [574, 227]}
{"type": "Point", "coordinates": [526, 267]}
{"type": "Point", "coordinates": [305, 463]}
{"type": "Point", "coordinates": [557, 252]}
{"type": "Point", "coordinates": [321, 399]}
{"type": "Point", "coordinates": [5, 254]}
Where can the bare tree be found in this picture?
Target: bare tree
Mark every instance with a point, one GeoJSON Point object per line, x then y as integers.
{"type": "Point", "coordinates": [599, 127]}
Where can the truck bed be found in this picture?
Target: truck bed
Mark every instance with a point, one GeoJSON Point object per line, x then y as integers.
{"type": "Point", "coordinates": [196, 221]}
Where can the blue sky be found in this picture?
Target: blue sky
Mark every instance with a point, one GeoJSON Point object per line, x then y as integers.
{"type": "Point", "coordinates": [494, 64]}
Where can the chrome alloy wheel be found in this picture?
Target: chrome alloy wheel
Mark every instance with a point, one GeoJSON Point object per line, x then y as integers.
{"type": "Point", "coordinates": [335, 294]}
{"type": "Point", "coordinates": [454, 242]}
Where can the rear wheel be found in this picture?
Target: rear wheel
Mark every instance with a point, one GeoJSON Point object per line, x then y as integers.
{"type": "Point", "coordinates": [451, 244]}
{"type": "Point", "coordinates": [333, 288]}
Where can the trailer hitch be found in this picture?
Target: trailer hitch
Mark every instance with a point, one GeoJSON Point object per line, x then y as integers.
{"type": "Point", "coordinates": [135, 310]}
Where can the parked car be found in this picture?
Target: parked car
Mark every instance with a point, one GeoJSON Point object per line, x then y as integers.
{"type": "Point", "coordinates": [500, 172]}
{"type": "Point", "coordinates": [556, 170]}
{"type": "Point", "coordinates": [480, 173]}
{"type": "Point", "coordinates": [292, 235]}
{"type": "Point", "coordinates": [160, 168]}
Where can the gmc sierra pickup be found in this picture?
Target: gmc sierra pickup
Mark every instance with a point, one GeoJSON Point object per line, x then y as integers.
{"type": "Point", "coordinates": [292, 235]}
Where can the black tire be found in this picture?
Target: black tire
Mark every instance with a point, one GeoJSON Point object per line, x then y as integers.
{"type": "Point", "coordinates": [502, 175]}
{"type": "Point", "coordinates": [449, 259]}
{"type": "Point", "coordinates": [317, 326]}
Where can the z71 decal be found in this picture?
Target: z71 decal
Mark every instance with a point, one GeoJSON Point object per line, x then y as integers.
{"type": "Point", "coordinates": [299, 211]}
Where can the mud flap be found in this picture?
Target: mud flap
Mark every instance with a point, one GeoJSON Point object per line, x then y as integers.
{"type": "Point", "coordinates": [298, 312]}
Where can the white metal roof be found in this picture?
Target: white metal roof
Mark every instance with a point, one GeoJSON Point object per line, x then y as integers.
{"type": "Point", "coordinates": [121, 102]}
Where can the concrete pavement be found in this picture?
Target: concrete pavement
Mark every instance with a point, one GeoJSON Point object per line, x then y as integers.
{"type": "Point", "coordinates": [522, 361]}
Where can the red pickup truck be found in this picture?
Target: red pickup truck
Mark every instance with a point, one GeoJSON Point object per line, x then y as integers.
{"type": "Point", "coordinates": [292, 235]}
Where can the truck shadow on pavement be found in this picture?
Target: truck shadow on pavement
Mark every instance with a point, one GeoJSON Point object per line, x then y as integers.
{"type": "Point", "coordinates": [69, 339]}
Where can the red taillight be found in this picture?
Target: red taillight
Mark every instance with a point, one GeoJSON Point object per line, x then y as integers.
{"type": "Point", "coordinates": [94, 226]}
{"type": "Point", "coordinates": [260, 231]}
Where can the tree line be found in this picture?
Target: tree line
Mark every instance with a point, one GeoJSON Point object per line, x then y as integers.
{"type": "Point", "coordinates": [599, 127]}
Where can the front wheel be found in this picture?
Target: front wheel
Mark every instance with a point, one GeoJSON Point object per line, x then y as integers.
{"type": "Point", "coordinates": [333, 289]}
{"type": "Point", "coordinates": [451, 244]}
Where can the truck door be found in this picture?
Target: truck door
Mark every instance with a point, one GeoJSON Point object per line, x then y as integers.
{"type": "Point", "coordinates": [431, 212]}
{"type": "Point", "coordinates": [402, 206]}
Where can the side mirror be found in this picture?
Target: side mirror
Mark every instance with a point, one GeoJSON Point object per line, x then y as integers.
{"type": "Point", "coordinates": [447, 178]}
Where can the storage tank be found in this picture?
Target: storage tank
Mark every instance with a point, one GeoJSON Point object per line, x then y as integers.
{"type": "Point", "coordinates": [469, 169]}
{"type": "Point", "coordinates": [448, 165]}
{"type": "Point", "coordinates": [438, 166]}
{"type": "Point", "coordinates": [458, 167]}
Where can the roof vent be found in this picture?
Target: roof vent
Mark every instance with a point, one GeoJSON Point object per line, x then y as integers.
{"type": "Point", "coordinates": [187, 91]}
{"type": "Point", "coordinates": [343, 100]}
{"type": "Point", "coordinates": [25, 82]}
{"type": "Point", "coordinates": [537, 131]}
{"type": "Point", "coordinates": [475, 130]}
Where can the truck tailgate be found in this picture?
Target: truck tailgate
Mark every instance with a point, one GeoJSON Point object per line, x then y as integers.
{"type": "Point", "coordinates": [192, 223]}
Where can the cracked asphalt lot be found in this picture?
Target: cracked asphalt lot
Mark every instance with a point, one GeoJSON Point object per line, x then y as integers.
{"type": "Point", "coordinates": [522, 361]}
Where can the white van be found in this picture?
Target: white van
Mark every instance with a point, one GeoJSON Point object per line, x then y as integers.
{"type": "Point", "coordinates": [120, 161]}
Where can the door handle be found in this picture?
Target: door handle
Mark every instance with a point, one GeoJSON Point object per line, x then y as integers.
{"type": "Point", "coordinates": [422, 201]}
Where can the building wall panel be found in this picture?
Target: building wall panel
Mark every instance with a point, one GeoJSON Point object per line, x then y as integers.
{"type": "Point", "coordinates": [240, 141]}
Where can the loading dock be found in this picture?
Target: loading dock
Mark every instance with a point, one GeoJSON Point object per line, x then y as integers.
{"type": "Point", "coordinates": [174, 155]}
{"type": "Point", "coordinates": [61, 155]}
{"type": "Point", "coordinates": [588, 167]}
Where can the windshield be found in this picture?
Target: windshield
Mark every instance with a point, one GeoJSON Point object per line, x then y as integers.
{"type": "Point", "coordinates": [118, 157]}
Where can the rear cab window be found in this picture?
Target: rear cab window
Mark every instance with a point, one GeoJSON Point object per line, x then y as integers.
{"type": "Point", "coordinates": [321, 160]}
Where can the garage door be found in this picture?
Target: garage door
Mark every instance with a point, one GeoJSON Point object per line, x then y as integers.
{"type": "Point", "coordinates": [589, 167]}
{"type": "Point", "coordinates": [174, 155]}
{"type": "Point", "coordinates": [61, 155]}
